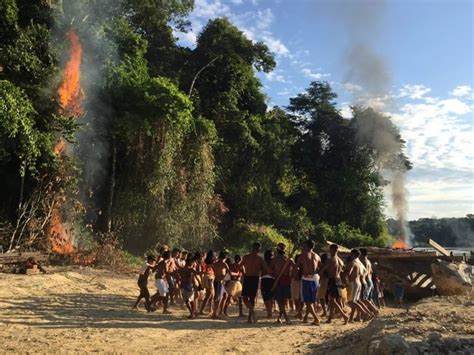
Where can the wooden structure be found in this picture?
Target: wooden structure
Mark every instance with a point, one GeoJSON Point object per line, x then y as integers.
{"type": "Point", "coordinates": [22, 257]}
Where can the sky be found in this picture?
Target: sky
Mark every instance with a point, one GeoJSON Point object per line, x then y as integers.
{"type": "Point", "coordinates": [426, 48]}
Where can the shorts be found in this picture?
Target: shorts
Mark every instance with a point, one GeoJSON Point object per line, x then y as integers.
{"type": "Point", "coordinates": [162, 287]}
{"type": "Point", "coordinates": [354, 290]}
{"type": "Point", "coordinates": [219, 289]}
{"type": "Point", "coordinates": [309, 289]}
{"type": "Point", "coordinates": [368, 289]}
{"type": "Point", "coordinates": [171, 283]}
{"type": "Point", "coordinates": [295, 289]}
{"type": "Point", "coordinates": [323, 288]}
{"type": "Point", "coordinates": [282, 292]}
{"type": "Point", "coordinates": [266, 285]}
{"type": "Point", "coordinates": [188, 292]}
{"type": "Point", "coordinates": [250, 287]}
{"type": "Point", "coordinates": [334, 288]}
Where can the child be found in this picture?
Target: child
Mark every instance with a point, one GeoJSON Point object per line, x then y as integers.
{"type": "Point", "coordinates": [398, 292]}
{"type": "Point", "coordinates": [143, 282]}
{"type": "Point", "coordinates": [381, 287]}
{"type": "Point", "coordinates": [188, 275]}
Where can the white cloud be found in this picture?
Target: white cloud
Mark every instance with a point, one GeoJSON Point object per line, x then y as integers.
{"type": "Point", "coordinates": [308, 73]}
{"type": "Point", "coordinates": [276, 46]}
{"type": "Point", "coordinates": [275, 75]}
{"type": "Point", "coordinates": [284, 92]}
{"type": "Point", "coordinates": [210, 9]}
{"type": "Point", "coordinates": [462, 91]}
{"type": "Point", "coordinates": [346, 110]}
{"type": "Point", "coordinates": [414, 91]}
{"type": "Point", "coordinates": [236, 2]}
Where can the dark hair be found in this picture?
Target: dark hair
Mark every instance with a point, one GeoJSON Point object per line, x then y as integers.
{"type": "Point", "coordinates": [222, 254]}
{"type": "Point", "coordinates": [268, 255]}
{"type": "Point", "coordinates": [309, 243]}
{"type": "Point", "coordinates": [189, 261]}
{"type": "Point", "coordinates": [176, 250]}
{"type": "Point", "coordinates": [363, 251]}
{"type": "Point", "coordinates": [324, 257]}
{"type": "Point", "coordinates": [166, 254]}
{"type": "Point", "coordinates": [150, 258]}
{"type": "Point", "coordinates": [334, 247]}
{"type": "Point", "coordinates": [197, 256]}
{"type": "Point", "coordinates": [237, 258]}
{"type": "Point", "coordinates": [256, 246]}
{"type": "Point", "coordinates": [209, 257]}
{"type": "Point", "coordinates": [355, 252]}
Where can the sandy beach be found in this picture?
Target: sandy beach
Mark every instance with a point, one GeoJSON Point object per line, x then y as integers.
{"type": "Point", "coordinates": [89, 310]}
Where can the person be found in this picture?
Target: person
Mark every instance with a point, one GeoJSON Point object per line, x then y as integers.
{"type": "Point", "coordinates": [296, 288]}
{"type": "Point", "coordinates": [266, 283]}
{"type": "Point", "coordinates": [281, 267]}
{"type": "Point", "coordinates": [234, 286]}
{"type": "Point", "coordinates": [334, 267]}
{"type": "Point", "coordinates": [354, 274]}
{"type": "Point", "coordinates": [221, 270]}
{"type": "Point", "coordinates": [173, 265]}
{"type": "Point", "coordinates": [162, 270]}
{"type": "Point", "coordinates": [208, 276]}
{"type": "Point", "coordinates": [323, 284]}
{"type": "Point", "coordinates": [309, 262]}
{"type": "Point", "coordinates": [188, 275]}
{"type": "Point", "coordinates": [143, 282]}
{"type": "Point", "coordinates": [398, 292]}
{"type": "Point", "coordinates": [366, 280]}
{"type": "Point", "coordinates": [253, 266]}
{"type": "Point", "coordinates": [381, 288]}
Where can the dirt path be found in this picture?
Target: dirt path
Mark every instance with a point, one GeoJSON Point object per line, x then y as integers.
{"type": "Point", "coordinates": [90, 310]}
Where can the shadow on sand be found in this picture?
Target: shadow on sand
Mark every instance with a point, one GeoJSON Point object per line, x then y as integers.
{"type": "Point", "coordinates": [78, 310]}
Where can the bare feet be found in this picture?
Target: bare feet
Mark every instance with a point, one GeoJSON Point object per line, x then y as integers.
{"type": "Point", "coordinates": [305, 319]}
{"type": "Point", "coordinates": [167, 312]}
{"type": "Point", "coordinates": [278, 321]}
{"type": "Point", "coordinates": [316, 322]}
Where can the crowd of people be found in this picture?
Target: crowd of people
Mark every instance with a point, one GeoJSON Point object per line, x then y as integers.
{"type": "Point", "coordinates": [306, 284]}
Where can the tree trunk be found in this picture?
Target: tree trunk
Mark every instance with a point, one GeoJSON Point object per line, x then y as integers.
{"type": "Point", "coordinates": [112, 185]}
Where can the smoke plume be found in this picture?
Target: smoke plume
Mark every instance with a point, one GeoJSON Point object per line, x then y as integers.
{"type": "Point", "coordinates": [368, 70]}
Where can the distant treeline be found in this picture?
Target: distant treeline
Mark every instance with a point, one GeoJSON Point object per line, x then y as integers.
{"type": "Point", "coordinates": [449, 232]}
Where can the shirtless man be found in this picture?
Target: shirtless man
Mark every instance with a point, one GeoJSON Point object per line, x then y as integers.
{"type": "Point", "coordinates": [334, 267]}
{"type": "Point", "coordinates": [354, 274]}
{"type": "Point", "coordinates": [309, 262]}
{"type": "Point", "coordinates": [221, 269]}
{"type": "Point", "coordinates": [281, 266]}
{"type": "Point", "coordinates": [162, 270]}
{"type": "Point", "coordinates": [253, 266]}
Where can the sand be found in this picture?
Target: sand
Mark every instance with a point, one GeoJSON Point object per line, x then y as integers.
{"type": "Point", "coordinates": [89, 310]}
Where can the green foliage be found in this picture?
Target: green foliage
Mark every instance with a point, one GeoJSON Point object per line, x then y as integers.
{"type": "Point", "coordinates": [345, 235]}
{"type": "Point", "coordinates": [19, 139]}
{"type": "Point", "coordinates": [241, 237]}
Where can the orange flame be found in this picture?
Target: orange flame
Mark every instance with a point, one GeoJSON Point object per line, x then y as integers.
{"type": "Point", "coordinates": [70, 92]}
{"type": "Point", "coordinates": [58, 236]}
{"type": "Point", "coordinates": [70, 100]}
{"type": "Point", "coordinates": [399, 244]}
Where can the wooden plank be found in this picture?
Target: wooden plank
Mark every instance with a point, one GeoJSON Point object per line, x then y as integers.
{"type": "Point", "coordinates": [341, 249]}
{"type": "Point", "coordinates": [438, 247]}
{"type": "Point", "coordinates": [21, 257]}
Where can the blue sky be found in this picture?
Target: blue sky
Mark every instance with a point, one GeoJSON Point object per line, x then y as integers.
{"type": "Point", "coordinates": [427, 49]}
